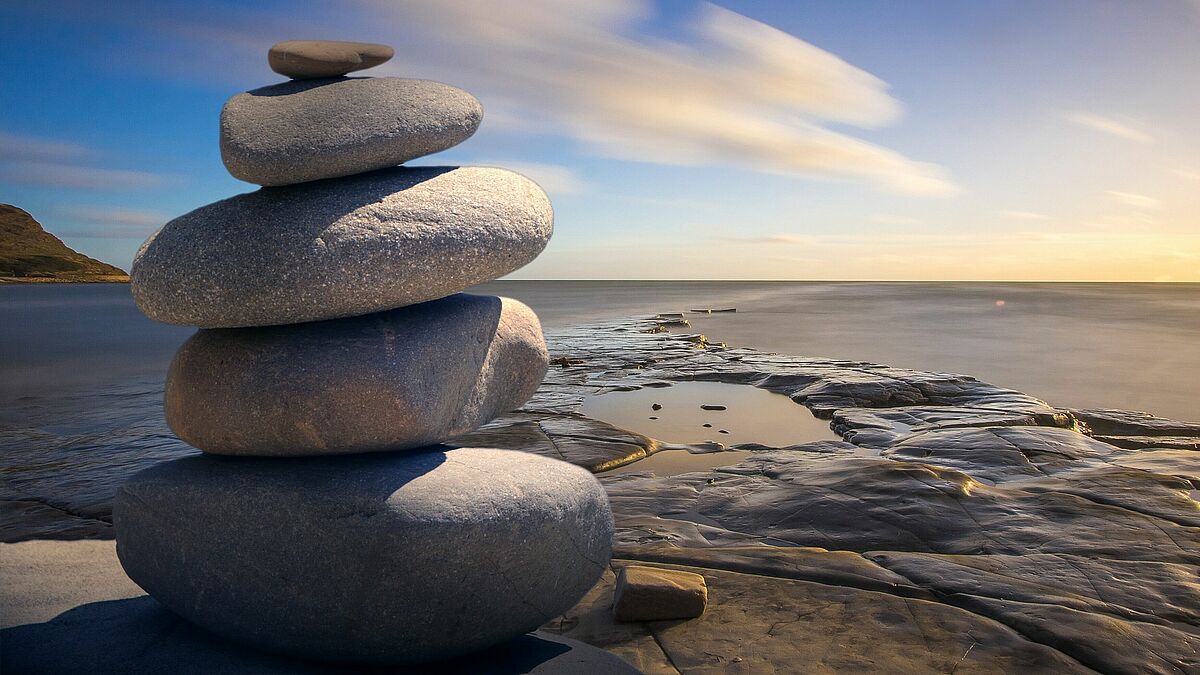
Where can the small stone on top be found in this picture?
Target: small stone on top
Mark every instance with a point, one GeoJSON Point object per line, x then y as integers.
{"type": "Point", "coordinates": [308, 59]}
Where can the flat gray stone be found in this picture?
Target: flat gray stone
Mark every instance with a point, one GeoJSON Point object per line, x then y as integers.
{"type": "Point", "coordinates": [305, 130]}
{"type": "Point", "coordinates": [389, 558]}
{"type": "Point", "coordinates": [401, 379]}
{"type": "Point", "coordinates": [305, 59]}
{"type": "Point", "coordinates": [340, 248]}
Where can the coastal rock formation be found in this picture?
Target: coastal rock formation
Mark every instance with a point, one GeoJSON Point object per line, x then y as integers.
{"type": "Point", "coordinates": [400, 379]}
{"type": "Point", "coordinates": [304, 59]}
{"type": "Point", "coordinates": [1051, 558]}
{"type": "Point", "coordinates": [30, 253]}
{"type": "Point", "coordinates": [961, 526]}
{"type": "Point", "coordinates": [331, 334]}
{"type": "Point", "coordinates": [342, 247]}
{"type": "Point", "coordinates": [371, 559]}
{"type": "Point", "coordinates": [310, 129]}
{"type": "Point", "coordinates": [956, 527]}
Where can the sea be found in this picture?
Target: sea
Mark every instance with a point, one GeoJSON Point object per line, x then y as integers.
{"type": "Point", "coordinates": [79, 361]}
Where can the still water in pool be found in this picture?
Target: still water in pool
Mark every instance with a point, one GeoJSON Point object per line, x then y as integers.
{"type": "Point", "coordinates": [750, 415]}
{"type": "Point", "coordinates": [696, 412]}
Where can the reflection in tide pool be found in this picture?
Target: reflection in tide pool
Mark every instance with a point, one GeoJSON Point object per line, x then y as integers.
{"type": "Point", "coordinates": [751, 415]}
{"type": "Point", "coordinates": [685, 413]}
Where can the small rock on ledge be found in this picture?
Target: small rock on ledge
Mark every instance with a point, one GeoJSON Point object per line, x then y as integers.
{"type": "Point", "coordinates": [657, 594]}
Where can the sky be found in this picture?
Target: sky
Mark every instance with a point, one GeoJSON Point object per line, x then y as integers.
{"type": "Point", "coordinates": [775, 139]}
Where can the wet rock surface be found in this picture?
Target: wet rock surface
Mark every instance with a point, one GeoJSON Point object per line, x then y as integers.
{"type": "Point", "coordinates": [957, 525]}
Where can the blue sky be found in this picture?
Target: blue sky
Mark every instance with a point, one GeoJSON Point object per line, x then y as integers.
{"type": "Point", "coordinates": [795, 140]}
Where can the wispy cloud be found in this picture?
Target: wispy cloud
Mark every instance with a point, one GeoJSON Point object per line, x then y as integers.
{"type": "Point", "coordinates": [111, 232]}
{"type": "Point", "coordinates": [1132, 221]}
{"type": "Point", "coordinates": [105, 215]}
{"type": "Point", "coordinates": [893, 219]}
{"type": "Point", "coordinates": [1135, 200]}
{"type": "Point", "coordinates": [1030, 255]}
{"type": "Point", "coordinates": [45, 174]}
{"type": "Point", "coordinates": [1025, 215]}
{"type": "Point", "coordinates": [1185, 173]}
{"type": "Point", "coordinates": [785, 239]}
{"type": "Point", "coordinates": [19, 147]}
{"type": "Point", "coordinates": [728, 91]}
{"type": "Point", "coordinates": [43, 162]}
{"type": "Point", "coordinates": [108, 222]}
{"type": "Point", "coordinates": [1108, 125]}
{"type": "Point", "coordinates": [553, 178]}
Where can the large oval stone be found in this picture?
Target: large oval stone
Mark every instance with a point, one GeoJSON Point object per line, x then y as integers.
{"type": "Point", "coordinates": [341, 247]}
{"type": "Point", "coordinates": [310, 129]}
{"type": "Point", "coordinates": [388, 558]}
{"type": "Point", "coordinates": [389, 381]}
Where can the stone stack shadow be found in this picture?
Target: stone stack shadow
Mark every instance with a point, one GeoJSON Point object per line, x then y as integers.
{"type": "Point", "coordinates": [336, 352]}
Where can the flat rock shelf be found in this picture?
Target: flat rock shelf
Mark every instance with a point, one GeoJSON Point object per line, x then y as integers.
{"type": "Point", "coordinates": [955, 526]}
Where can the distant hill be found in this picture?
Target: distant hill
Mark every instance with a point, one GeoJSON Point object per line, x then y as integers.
{"type": "Point", "coordinates": [30, 253]}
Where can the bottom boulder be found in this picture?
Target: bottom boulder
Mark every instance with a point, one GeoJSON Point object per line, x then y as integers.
{"type": "Point", "coordinates": [383, 558]}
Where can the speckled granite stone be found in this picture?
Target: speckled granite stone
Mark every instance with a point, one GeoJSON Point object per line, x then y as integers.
{"type": "Point", "coordinates": [341, 247]}
{"type": "Point", "coordinates": [388, 558]}
{"type": "Point", "coordinates": [311, 129]}
{"type": "Point", "coordinates": [389, 381]}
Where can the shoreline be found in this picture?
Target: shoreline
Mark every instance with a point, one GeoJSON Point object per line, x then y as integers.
{"type": "Point", "coordinates": [112, 279]}
{"type": "Point", "coordinates": [955, 521]}
{"type": "Point", "coordinates": [863, 402]}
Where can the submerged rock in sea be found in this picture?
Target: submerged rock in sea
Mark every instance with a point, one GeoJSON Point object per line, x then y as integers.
{"type": "Point", "coordinates": [312, 129]}
{"type": "Point", "coordinates": [341, 247]}
{"type": "Point", "coordinates": [381, 382]}
{"type": "Point", "coordinates": [389, 558]}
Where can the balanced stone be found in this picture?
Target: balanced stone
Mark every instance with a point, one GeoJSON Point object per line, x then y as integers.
{"type": "Point", "coordinates": [389, 381]}
{"type": "Point", "coordinates": [310, 129]}
{"type": "Point", "coordinates": [341, 247]}
{"type": "Point", "coordinates": [388, 558]}
{"type": "Point", "coordinates": [303, 59]}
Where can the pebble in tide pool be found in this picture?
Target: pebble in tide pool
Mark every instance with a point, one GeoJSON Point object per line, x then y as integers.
{"type": "Point", "coordinates": [331, 326]}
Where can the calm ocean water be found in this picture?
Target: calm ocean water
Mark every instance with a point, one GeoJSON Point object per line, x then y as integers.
{"type": "Point", "coordinates": [1134, 346]}
{"type": "Point", "coordinates": [81, 371]}
{"type": "Point", "coordinates": [1130, 346]}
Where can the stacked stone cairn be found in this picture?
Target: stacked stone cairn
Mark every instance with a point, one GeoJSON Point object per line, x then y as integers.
{"type": "Point", "coordinates": [335, 352]}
